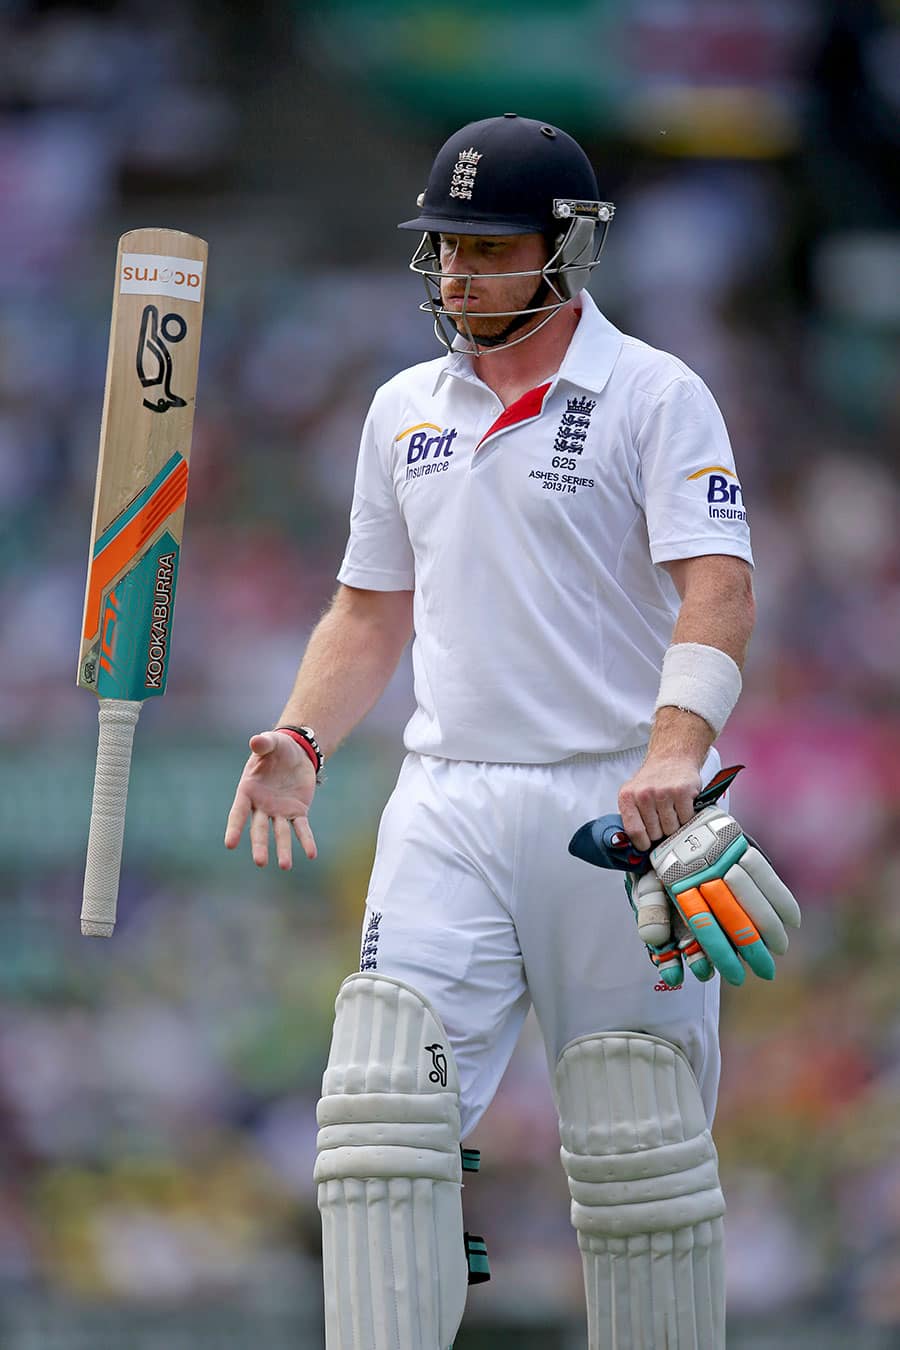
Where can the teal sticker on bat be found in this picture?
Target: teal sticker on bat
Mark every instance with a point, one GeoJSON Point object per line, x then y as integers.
{"type": "Point", "coordinates": [136, 626]}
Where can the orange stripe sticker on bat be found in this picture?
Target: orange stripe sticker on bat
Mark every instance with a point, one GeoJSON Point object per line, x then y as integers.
{"type": "Point", "coordinates": [130, 540]}
{"type": "Point", "coordinates": [731, 916]}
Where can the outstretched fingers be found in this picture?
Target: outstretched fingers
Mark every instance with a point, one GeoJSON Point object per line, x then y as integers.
{"type": "Point", "coordinates": [281, 828]}
{"type": "Point", "coordinates": [282, 831]}
{"type": "Point", "coordinates": [304, 833]}
{"type": "Point", "coordinates": [237, 819]}
{"type": "Point", "coordinates": [259, 837]}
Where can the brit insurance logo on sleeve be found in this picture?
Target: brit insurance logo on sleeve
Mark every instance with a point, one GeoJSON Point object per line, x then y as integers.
{"type": "Point", "coordinates": [724, 498]}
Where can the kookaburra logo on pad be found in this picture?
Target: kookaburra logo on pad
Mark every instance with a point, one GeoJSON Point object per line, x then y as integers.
{"type": "Point", "coordinates": [439, 1059]}
{"type": "Point", "coordinates": [463, 178]}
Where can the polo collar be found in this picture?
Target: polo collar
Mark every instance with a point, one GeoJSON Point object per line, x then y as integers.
{"type": "Point", "coordinates": [587, 364]}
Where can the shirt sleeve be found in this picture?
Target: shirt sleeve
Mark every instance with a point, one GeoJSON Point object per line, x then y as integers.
{"type": "Point", "coordinates": [378, 556]}
{"type": "Point", "coordinates": [693, 499]}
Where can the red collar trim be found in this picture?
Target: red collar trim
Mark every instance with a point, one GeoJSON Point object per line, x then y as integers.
{"type": "Point", "coordinates": [531, 404]}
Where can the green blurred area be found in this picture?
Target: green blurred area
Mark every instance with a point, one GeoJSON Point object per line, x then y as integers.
{"type": "Point", "coordinates": [455, 63]}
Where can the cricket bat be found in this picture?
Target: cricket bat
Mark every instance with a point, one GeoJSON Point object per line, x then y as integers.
{"type": "Point", "coordinates": [142, 473]}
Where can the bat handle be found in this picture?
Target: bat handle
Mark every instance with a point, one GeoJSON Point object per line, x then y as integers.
{"type": "Point", "coordinates": [118, 719]}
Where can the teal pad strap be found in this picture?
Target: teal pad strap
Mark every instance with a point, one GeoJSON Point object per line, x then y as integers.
{"type": "Point", "coordinates": [477, 1258]}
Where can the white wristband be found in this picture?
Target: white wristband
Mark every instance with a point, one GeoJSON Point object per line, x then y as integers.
{"type": "Point", "coordinates": [701, 680]}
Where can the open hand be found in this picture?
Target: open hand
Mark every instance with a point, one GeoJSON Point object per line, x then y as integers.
{"type": "Point", "coordinates": [277, 785]}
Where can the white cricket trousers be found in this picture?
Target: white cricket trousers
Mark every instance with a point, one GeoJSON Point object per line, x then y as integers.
{"type": "Point", "coordinates": [475, 901]}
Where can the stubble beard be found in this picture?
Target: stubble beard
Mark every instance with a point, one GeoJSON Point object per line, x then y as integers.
{"type": "Point", "coordinates": [480, 327]}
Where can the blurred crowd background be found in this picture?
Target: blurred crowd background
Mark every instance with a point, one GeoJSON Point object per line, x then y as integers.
{"type": "Point", "coordinates": [157, 1092]}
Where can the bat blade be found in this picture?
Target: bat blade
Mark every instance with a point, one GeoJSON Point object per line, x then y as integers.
{"type": "Point", "coordinates": [138, 521]}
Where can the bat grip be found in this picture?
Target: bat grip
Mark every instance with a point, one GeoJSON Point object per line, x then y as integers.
{"type": "Point", "coordinates": [118, 719]}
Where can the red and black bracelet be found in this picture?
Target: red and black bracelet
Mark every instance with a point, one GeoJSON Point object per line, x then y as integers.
{"type": "Point", "coordinates": [306, 739]}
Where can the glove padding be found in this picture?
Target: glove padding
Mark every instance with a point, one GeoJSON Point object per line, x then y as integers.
{"type": "Point", "coordinates": [669, 941]}
{"type": "Point", "coordinates": [726, 896]}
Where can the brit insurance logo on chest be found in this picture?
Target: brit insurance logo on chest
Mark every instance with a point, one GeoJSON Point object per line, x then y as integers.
{"type": "Point", "coordinates": [428, 448]}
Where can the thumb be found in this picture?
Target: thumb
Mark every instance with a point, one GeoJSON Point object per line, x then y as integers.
{"type": "Point", "coordinates": [264, 742]}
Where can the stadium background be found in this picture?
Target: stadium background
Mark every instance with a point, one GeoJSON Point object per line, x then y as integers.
{"type": "Point", "coordinates": [157, 1092]}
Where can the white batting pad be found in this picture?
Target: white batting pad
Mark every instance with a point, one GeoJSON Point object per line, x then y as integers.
{"type": "Point", "coordinates": [646, 1201]}
{"type": "Point", "coordinates": [389, 1173]}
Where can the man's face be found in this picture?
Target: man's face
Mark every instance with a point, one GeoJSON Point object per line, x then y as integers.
{"type": "Point", "coordinates": [476, 255]}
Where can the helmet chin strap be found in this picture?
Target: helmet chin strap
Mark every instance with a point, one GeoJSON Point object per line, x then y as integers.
{"type": "Point", "coordinates": [499, 339]}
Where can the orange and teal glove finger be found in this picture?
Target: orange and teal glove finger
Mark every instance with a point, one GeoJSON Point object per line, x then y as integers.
{"type": "Point", "coordinates": [671, 959]}
{"type": "Point", "coordinates": [692, 954]}
{"type": "Point", "coordinates": [723, 930]}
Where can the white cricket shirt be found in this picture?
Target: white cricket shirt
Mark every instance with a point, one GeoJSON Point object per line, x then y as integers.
{"type": "Point", "coordinates": [532, 537]}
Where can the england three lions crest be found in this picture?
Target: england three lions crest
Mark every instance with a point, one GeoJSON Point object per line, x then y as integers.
{"type": "Point", "coordinates": [574, 426]}
{"type": "Point", "coordinates": [463, 178]}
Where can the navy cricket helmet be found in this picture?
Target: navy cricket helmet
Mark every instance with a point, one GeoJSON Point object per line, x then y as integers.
{"type": "Point", "coordinates": [502, 176]}
{"type": "Point", "coordinates": [512, 175]}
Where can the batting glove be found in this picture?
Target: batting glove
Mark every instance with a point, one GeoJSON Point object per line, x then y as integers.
{"type": "Point", "coordinates": [704, 897]}
{"type": "Point", "coordinates": [726, 894]}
